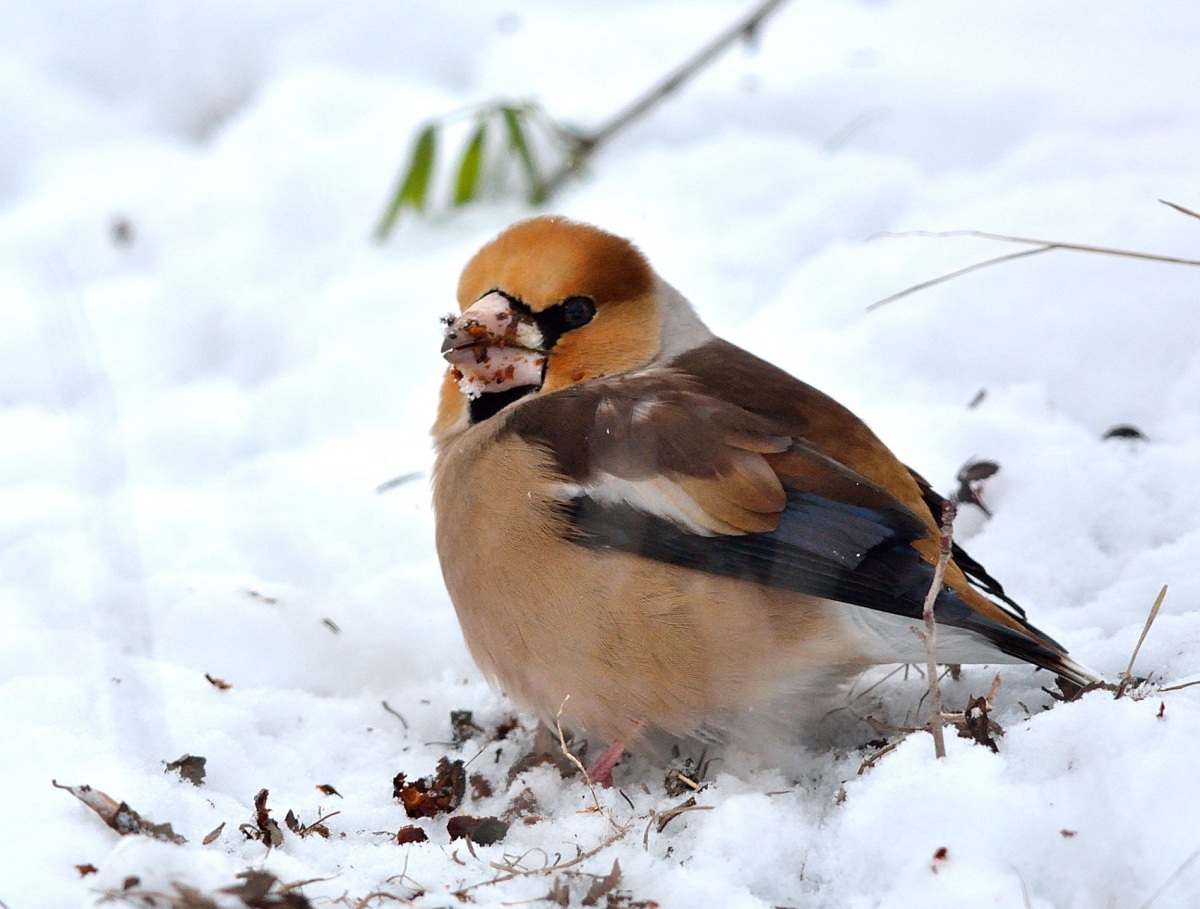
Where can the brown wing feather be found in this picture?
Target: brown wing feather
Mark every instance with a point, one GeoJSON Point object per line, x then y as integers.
{"type": "Point", "coordinates": [823, 427]}
{"type": "Point", "coordinates": [650, 439]}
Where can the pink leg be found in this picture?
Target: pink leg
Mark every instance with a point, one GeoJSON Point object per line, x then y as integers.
{"type": "Point", "coordinates": [601, 770]}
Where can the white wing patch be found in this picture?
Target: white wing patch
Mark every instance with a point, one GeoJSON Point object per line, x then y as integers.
{"type": "Point", "coordinates": [659, 496]}
{"type": "Point", "coordinates": [681, 457]}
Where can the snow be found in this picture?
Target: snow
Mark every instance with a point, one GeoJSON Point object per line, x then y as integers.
{"type": "Point", "coordinates": [195, 421]}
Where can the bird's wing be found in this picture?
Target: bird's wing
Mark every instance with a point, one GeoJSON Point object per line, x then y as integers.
{"type": "Point", "coordinates": [655, 466]}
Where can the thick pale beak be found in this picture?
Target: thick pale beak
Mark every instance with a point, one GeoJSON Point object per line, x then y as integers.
{"type": "Point", "coordinates": [494, 347]}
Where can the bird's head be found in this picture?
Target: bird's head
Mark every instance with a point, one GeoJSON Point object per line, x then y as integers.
{"type": "Point", "coordinates": [550, 303]}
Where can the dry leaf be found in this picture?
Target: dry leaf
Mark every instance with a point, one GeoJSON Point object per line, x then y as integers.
{"type": "Point", "coordinates": [483, 831]}
{"type": "Point", "coordinates": [560, 893]}
{"type": "Point", "coordinates": [189, 898]}
{"type": "Point", "coordinates": [433, 795]}
{"type": "Point", "coordinates": [480, 787]}
{"type": "Point", "coordinates": [524, 805]}
{"type": "Point", "coordinates": [213, 835]}
{"type": "Point", "coordinates": [978, 725]}
{"type": "Point", "coordinates": [119, 816]}
{"type": "Point", "coordinates": [603, 886]}
{"type": "Point", "coordinates": [255, 885]}
{"type": "Point", "coordinates": [504, 728]}
{"type": "Point", "coordinates": [411, 834]}
{"type": "Point", "coordinates": [264, 827]}
{"type": "Point", "coordinates": [302, 830]}
{"type": "Point", "coordinates": [190, 767]}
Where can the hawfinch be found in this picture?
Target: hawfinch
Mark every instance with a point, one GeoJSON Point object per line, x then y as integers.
{"type": "Point", "coordinates": [652, 531]}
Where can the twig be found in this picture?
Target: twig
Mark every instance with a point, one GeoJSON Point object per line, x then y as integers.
{"type": "Point", "coordinates": [388, 707]}
{"type": "Point", "coordinates": [1041, 246]}
{"type": "Point", "coordinates": [1127, 676]}
{"type": "Point", "coordinates": [945, 544]}
{"type": "Point", "coordinates": [1052, 244]}
{"type": "Point", "coordinates": [870, 762]}
{"type": "Point", "coordinates": [1180, 208]}
{"type": "Point", "coordinates": [1172, 879]}
{"type": "Point", "coordinates": [1179, 687]}
{"type": "Point", "coordinates": [661, 819]}
{"type": "Point", "coordinates": [586, 144]}
{"type": "Point", "coordinates": [688, 781]}
{"type": "Point", "coordinates": [941, 279]}
{"type": "Point", "coordinates": [559, 866]}
{"type": "Point", "coordinates": [394, 482]}
{"type": "Point", "coordinates": [570, 756]}
{"type": "Point", "coordinates": [296, 885]}
{"type": "Point", "coordinates": [1025, 901]}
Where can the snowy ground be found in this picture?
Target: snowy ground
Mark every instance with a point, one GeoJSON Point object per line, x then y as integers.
{"type": "Point", "coordinates": [207, 367]}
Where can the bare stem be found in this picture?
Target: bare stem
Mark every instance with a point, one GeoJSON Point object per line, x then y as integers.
{"type": "Point", "coordinates": [1040, 246]}
{"type": "Point", "coordinates": [945, 544]}
{"type": "Point", "coordinates": [1180, 208]}
{"type": "Point", "coordinates": [1127, 675]}
{"type": "Point", "coordinates": [933, 282]}
{"type": "Point", "coordinates": [586, 144]}
{"type": "Point", "coordinates": [1052, 244]}
{"type": "Point", "coordinates": [569, 754]}
{"type": "Point", "coordinates": [1178, 873]}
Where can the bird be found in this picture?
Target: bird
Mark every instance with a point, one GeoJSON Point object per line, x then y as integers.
{"type": "Point", "coordinates": [648, 532]}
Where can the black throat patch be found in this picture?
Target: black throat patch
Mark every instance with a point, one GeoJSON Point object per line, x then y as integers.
{"type": "Point", "coordinates": [491, 403]}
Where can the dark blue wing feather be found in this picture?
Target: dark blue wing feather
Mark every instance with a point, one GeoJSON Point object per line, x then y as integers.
{"type": "Point", "coordinates": [822, 547]}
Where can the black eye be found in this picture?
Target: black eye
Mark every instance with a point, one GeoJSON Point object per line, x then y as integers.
{"type": "Point", "coordinates": [577, 311]}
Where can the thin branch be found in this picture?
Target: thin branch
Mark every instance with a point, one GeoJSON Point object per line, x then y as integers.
{"type": "Point", "coordinates": [1127, 675]}
{"type": "Point", "coordinates": [1178, 207]}
{"type": "Point", "coordinates": [954, 274]}
{"type": "Point", "coordinates": [388, 707]}
{"type": "Point", "coordinates": [550, 869]}
{"type": "Point", "coordinates": [1172, 879]}
{"type": "Point", "coordinates": [1041, 246]}
{"type": "Point", "coordinates": [1025, 901]}
{"type": "Point", "coordinates": [1179, 687]}
{"type": "Point", "coordinates": [399, 481]}
{"type": "Point", "coordinates": [946, 542]}
{"type": "Point", "coordinates": [1053, 244]}
{"type": "Point", "coordinates": [570, 756]}
{"type": "Point", "coordinates": [586, 144]}
{"type": "Point", "coordinates": [870, 762]}
{"type": "Point", "coordinates": [665, 817]}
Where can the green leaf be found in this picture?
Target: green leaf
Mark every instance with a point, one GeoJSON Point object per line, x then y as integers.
{"type": "Point", "coordinates": [414, 186]}
{"type": "Point", "coordinates": [471, 168]}
{"type": "Point", "coordinates": [520, 144]}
